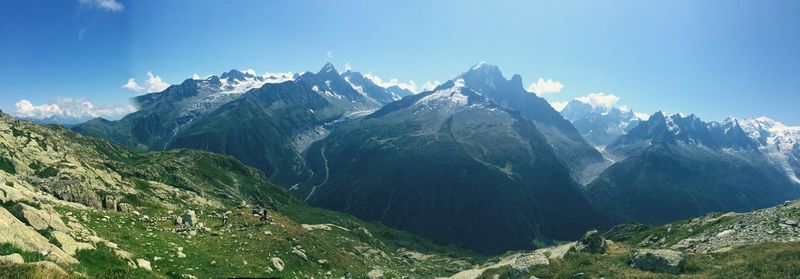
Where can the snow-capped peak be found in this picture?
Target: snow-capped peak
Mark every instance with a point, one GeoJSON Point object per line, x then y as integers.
{"type": "Point", "coordinates": [452, 94]}
{"type": "Point", "coordinates": [481, 65]}
{"type": "Point", "coordinates": [778, 141]}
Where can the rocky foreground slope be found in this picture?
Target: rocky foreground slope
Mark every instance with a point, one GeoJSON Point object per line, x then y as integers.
{"type": "Point", "coordinates": [75, 206]}
{"type": "Point", "coordinates": [758, 244]}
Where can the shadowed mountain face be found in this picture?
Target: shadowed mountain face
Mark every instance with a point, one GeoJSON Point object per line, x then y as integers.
{"type": "Point", "coordinates": [677, 167]}
{"type": "Point", "coordinates": [451, 165]}
{"type": "Point", "coordinates": [568, 143]}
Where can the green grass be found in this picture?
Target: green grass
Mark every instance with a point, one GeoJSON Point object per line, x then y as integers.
{"type": "Point", "coordinates": [29, 256]}
{"type": "Point", "coordinates": [7, 165]}
{"type": "Point", "coordinates": [766, 260]}
{"type": "Point", "coordinates": [103, 263]}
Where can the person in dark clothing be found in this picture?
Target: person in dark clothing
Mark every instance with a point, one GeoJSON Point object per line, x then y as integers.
{"type": "Point", "coordinates": [265, 216]}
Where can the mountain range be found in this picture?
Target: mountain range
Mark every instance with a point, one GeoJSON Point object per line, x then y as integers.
{"type": "Point", "coordinates": [81, 207]}
{"type": "Point", "coordinates": [478, 161]}
{"type": "Point", "coordinates": [599, 125]}
{"type": "Point", "coordinates": [685, 167]}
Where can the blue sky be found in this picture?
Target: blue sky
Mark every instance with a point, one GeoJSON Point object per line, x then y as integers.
{"type": "Point", "coordinates": [712, 58]}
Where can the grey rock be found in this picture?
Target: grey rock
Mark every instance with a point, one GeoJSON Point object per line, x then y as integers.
{"type": "Point", "coordinates": [523, 264]}
{"type": "Point", "coordinates": [277, 263]}
{"type": "Point", "coordinates": [125, 207]}
{"type": "Point", "coordinates": [12, 259]}
{"type": "Point", "coordinates": [110, 202]}
{"type": "Point", "coordinates": [376, 273]}
{"type": "Point", "coordinates": [662, 260]}
{"type": "Point", "coordinates": [591, 242]}
{"type": "Point", "coordinates": [68, 244]}
{"type": "Point", "coordinates": [72, 190]}
{"type": "Point", "coordinates": [189, 217]}
{"type": "Point", "coordinates": [143, 264]}
{"type": "Point", "coordinates": [30, 216]}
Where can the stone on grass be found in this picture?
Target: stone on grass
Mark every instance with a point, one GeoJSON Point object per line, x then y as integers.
{"type": "Point", "coordinates": [662, 260]}
{"type": "Point", "coordinates": [12, 259]}
{"type": "Point", "coordinates": [591, 242]}
{"type": "Point", "coordinates": [376, 273]}
{"type": "Point", "coordinates": [143, 264]}
{"type": "Point", "coordinates": [68, 244]}
{"type": "Point", "coordinates": [277, 263]}
{"type": "Point", "coordinates": [523, 263]}
{"type": "Point", "coordinates": [189, 217]}
{"type": "Point", "coordinates": [30, 216]}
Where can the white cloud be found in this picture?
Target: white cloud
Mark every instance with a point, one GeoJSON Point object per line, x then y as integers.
{"type": "Point", "coordinates": [410, 85]}
{"type": "Point", "coordinates": [132, 85]}
{"type": "Point", "coordinates": [558, 105]}
{"type": "Point", "coordinates": [642, 115]}
{"type": "Point", "coordinates": [250, 71]}
{"type": "Point", "coordinates": [70, 108]}
{"type": "Point", "coordinates": [153, 84]}
{"type": "Point", "coordinates": [347, 67]}
{"type": "Point", "coordinates": [108, 5]}
{"type": "Point", "coordinates": [599, 100]}
{"type": "Point", "coordinates": [329, 54]}
{"type": "Point", "coordinates": [196, 76]}
{"type": "Point", "coordinates": [542, 86]}
{"type": "Point", "coordinates": [428, 86]}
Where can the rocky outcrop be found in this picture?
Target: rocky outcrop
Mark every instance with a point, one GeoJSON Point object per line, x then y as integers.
{"type": "Point", "coordinates": [524, 263]}
{"type": "Point", "coordinates": [375, 274]}
{"type": "Point", "coordinates": [12, 259]}
{"type": "Point", "coordinates": [68, 244]}
{"type": "Point", "coordinates": [26, 238]}
{"type": "Point", "coordinates": [73, 191]}
{"type": "Point", "coordinates": [38, 219]}
{"type": "Point", "coordinates": [662, 260]}
{"type": "Point", "coordinates": [189, 217]}
{"type": "Point", "coordinates": [591, 242]}
{"type": "Point", "coordinates": [143, 264]}
{"type": "Point", "coordinates": [110, 202]}
{"type": "Point", "coordinates": [125, 207]}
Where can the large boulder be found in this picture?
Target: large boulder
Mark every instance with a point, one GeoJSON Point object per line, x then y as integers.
{"type": "Point", "coordinates": [39, 219]}
{"type": "Point", "coordinates": [277, 263]}
{"type": "Point", "coordinates": [110, 202]}
{"type": "Point", "coordinates": [189, 218]}
{"type": "Point", "coordinates": [72, 190]}
{"type": "Point", "coordinates": [26, 238]}
{"type": "Point", "coordinates": [591, 242]}
{"type": "Point", "coordinates": [68, 244]}
{"type": "Point", "coordinates": [12, 259]}
{"type": "Point", "coordinates": [30, 215]}
{"type": "Point", "coordinates": [375, 274]}
{"type": "Point", "coordinates": [523, 263]}
{"type": "Point", "coordinates": [125, 207]}
{"type": "Point", "coordinates": [662, 260]}
{"type": "Point", "coordinates": [143, 264]}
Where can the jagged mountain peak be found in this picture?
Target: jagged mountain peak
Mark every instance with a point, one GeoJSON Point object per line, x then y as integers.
{"type": "Point", "coordinates": [484, 66]}
{"type": "Point", "coordinates": [235, 74]}
{"type": "Point", "coordinates": [328, 69]}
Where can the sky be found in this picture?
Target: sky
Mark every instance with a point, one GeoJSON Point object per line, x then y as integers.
{"type": "Point", "coordinates": [714, 58]}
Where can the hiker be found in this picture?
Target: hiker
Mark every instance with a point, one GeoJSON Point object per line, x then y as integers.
{"type": "Point", "coordinates": [265, 217]}
{"type": "Point", "coordinates": [224, 218]}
